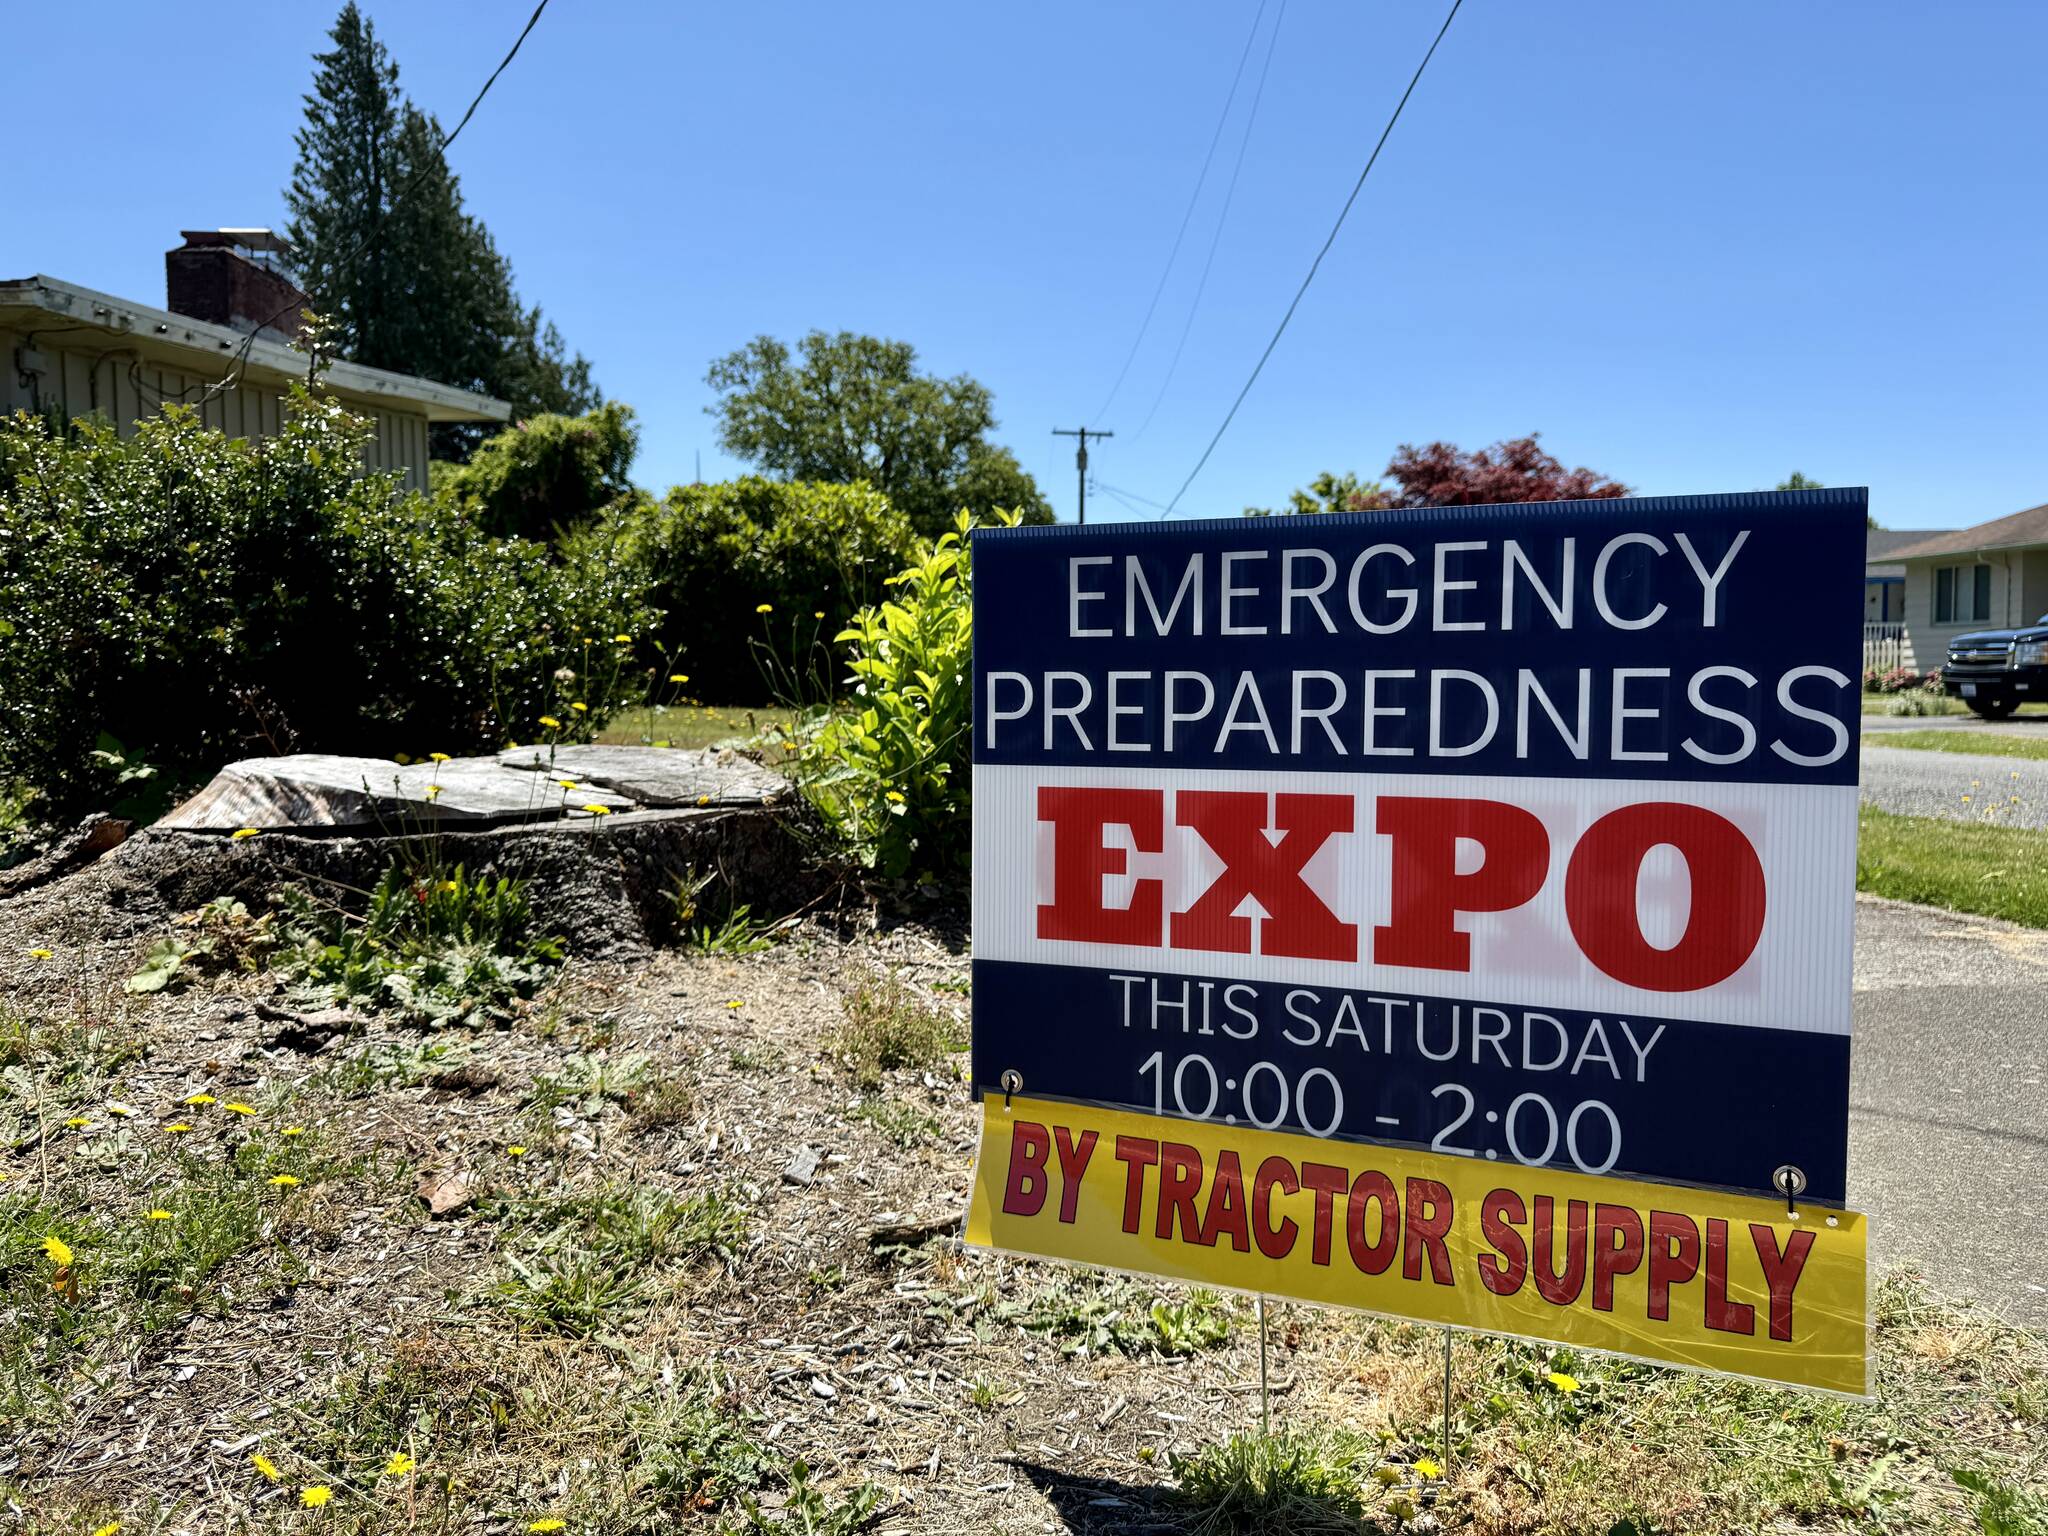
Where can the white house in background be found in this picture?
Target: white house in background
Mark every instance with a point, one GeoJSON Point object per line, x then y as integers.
{"type": "Point", "coordinates": [1992, 576]}
{"type": "Point", "coordinates": [84, 353]}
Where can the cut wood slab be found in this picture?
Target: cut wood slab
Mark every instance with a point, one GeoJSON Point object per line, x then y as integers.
{"type": "Point", "coordinates": [371, 796]}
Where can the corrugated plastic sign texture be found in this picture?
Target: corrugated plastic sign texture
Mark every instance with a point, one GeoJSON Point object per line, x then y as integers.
{"type": "Point", "coordinates": [1519, 835]}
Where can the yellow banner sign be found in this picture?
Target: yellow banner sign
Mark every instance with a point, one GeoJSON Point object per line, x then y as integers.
{"type": "Point", "coordinates": [1680, 1276]}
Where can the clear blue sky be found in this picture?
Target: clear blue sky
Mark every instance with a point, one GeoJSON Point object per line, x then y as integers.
{"type": "Point", "coordinates": [1697, 247]}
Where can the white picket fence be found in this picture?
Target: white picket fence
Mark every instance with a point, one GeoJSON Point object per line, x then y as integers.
{"type": "Point", "coordinates": [1884, 646]}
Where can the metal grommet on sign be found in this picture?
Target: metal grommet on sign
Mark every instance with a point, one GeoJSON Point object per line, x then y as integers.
{"type": "Point", "coordinates": [1013, 1082]}
{"type": "Point", "coordinates": [1792, 1181]}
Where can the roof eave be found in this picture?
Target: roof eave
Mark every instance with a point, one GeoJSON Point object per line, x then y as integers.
{"type": "Point", "coordinates": [269, 362]}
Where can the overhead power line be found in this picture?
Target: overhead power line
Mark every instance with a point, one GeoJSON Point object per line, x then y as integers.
{"type": "Point", "coordinates": [241, 359]}
{"type": "Point", "coordinates": [1194, 198]}
{"type": "Point", "coordinates": [1314, 266]}
{"type": "Point", "coordinates": [1222, 218]}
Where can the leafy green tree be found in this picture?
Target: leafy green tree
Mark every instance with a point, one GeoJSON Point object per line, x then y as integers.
{"type": "Point", "coordinates": [1332, 493]}
{"type": "Point", "coordinates": [382, 242]}
{"type": "Point", "coordinates": [546, 474]}
{"type": "Point", "coordinates": [852, 408]}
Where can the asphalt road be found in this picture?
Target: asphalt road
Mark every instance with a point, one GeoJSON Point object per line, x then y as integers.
{"type": "Point", "coordinates": [1948, 1123]}
{"type": "Point", "coordinates": [1915, 782]}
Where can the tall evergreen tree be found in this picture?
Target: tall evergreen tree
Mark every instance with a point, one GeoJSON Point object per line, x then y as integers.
{"type": "Point", "coordinates": [382, 242]}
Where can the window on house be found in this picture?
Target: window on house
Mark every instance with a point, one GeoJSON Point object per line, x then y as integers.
{"type": "Point", "coordinates": [1962, 594]}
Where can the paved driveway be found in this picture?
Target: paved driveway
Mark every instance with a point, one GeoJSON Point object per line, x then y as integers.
{"type": "Point", "coordinates": [1948, 1126]}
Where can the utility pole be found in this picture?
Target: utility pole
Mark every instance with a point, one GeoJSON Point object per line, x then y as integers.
{"type": "Point", "coordinates": [1081, 458]}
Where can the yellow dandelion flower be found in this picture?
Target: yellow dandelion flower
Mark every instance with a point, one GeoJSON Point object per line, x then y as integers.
{"type": "Point", "coordinates": [598, 810]}
{"type": "Point", "coordinates": [1424, 1467]}
{"type": "Point", "coordinates": [433, 791]}
{"type": "Point", "coordinates": [291, 1131]}
{"type": "Point", "coordinates": [108, 1529]}
{"type": "Point", "coordinates": [581, 709]}
{"type": "Point", "coordinates": [566, 783]}
{"type": "Point", "coordinates": [1567, 1384]}
{"type": "Point", "coordinates": [238, 1109]}
{"type": "Point", "coordinates": [439, 757]}
{"type": "Point", "coordinates": [316, 1496]}
{"type": "Point", "coordinates": [451, 885]}
{"type": "Point", "coordinates": [237, 836]}
{"type": "Point", "coordinates": [265, 1465]}
{"type": "Point", "coordinates": [285, 1181]}
{"type": "Point", "coordinates": [679, 677]}
{"type": "Point", "coordinates": [737, 1002]}
{"type": "Point", "coordinates": [765, 608]}
{"type": "Point", "coordinates": [819, 614]}
{"type": "Point", "coordinates": [703, 799]}
{"type": "Point", "coordinates": [159, 1214]}
{"type": "Point", "coordinates": [40, 954]}
{"type": "Point", "coordinates": [58, 1250]}
{"type": "Point", "coordinates": [177, 1128]}
{"type": "Point", "coordinates": [551, 722]}
{"type": "Point", "coordinates": [515, 1151]}
{"type": "Point", "coordinates": [78, 1122]}
{"type": "Point", "coordinates": [202, 1098]}
{"type": "Point", "coordinates": [622, 639]}
{"type": "Point", "coordinates": [895, 796]}
{"type": "Point", "coordinates": [116, 1107]}
{"type": "Point", "coordinates": [398, 1465]}
{"type": "Point", "coordinates": [540, 1527]}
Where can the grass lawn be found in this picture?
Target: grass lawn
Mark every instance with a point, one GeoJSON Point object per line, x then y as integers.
{"type": "Point", "coordinates": [1964, 866]}
{"type": "Point", "coordinates": [1975, 743]}
{"type": "Point", "coordinates": [692, 725]}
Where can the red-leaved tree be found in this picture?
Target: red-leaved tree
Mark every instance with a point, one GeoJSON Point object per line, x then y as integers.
{"type": "Point", "coordinates": [1438, 475]}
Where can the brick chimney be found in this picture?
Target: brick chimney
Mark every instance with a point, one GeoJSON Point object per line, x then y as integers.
{"type": "Point", "coordinates": [235, 277]}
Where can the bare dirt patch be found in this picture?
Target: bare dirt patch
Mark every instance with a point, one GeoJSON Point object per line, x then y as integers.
{"type": "Point", "coordinates": [694, 1269]}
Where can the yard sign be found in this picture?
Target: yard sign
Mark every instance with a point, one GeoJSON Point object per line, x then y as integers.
{"type": "Point", "coordinates": [1445, 913]}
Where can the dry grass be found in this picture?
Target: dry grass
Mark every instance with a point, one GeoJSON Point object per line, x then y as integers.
{"type": "Point", "coordinates": [644, 1318]}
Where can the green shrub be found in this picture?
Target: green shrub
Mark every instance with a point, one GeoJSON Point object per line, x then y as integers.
{"type": "Point", "coordinates": [197, 599]}
{"type": "Point", "coordinates": [710, 556]}
{"type": "Point", "coordinates": [434, 945]}
{"type": "Point", "coordinates": [545, 474]}
{"type": "Point", "coordinates": [890, 773]}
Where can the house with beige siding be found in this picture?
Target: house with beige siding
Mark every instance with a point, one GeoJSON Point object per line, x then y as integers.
{"type": "Point", "coordinates": [222, 346]}
{"type": "Point", "coordinates": [1992, 576]}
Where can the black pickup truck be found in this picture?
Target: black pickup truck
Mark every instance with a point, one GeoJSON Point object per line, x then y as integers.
{"type": "Point", "coordinates": [1995, 671]}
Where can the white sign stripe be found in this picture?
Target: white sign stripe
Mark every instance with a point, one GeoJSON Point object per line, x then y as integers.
{"type": "Point", "coordinates": [1796, 978]}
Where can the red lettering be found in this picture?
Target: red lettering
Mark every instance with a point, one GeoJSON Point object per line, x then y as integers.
{"type": "Point", "coordinates": [1723, 1315]}
{"type": "Point", "coordinates": [1781, 1271]}
{"type": "Point", "coordinates": [1073, 1164]}
{"type": "Point", "coordinates": [1429, 1220]}
{"type": "Point", "coordinates": [1560, 1287]}
{"type": "Point", "coordinates": [1080, 861]}
{"type": "Point", "coordinates": [1328, 1183]}
{"type": "Point", "coordinates": [1226, 1206]}
{"type": "Point", "coordinates": [1297, 923]}
{"type": "Point", "coordinates": [1617, 1250]}
{"type": "Point", "coordinates": [1136, 1154]}
{"type": "Point", "coordinates": [1674, 1258]}
{"type": "Point", "coordinates": [1025, 1192]}
{"type": "Point", "coordinates": [1726, 916]}
{"type": "Point", "coordinates": [1275, 1242]}
{"type": "Point", "coordinates": [1427, 891]}
{"type": "Point", "coordinates": [1180, 1177]}
{"type": "Point", "coordinates": [1499, 1214]}
{"type": "Point", "coordinates": [1373, 1188]}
